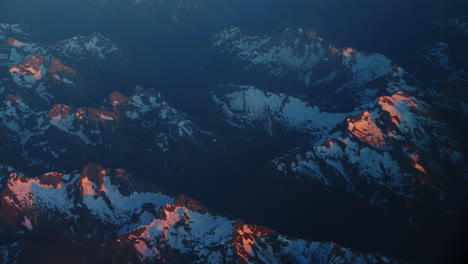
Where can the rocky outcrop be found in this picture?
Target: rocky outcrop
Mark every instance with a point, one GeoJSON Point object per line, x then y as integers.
{"type": "Point", "coordinates": [85, 201]}
{"type": "Point", "coordinates": [307, 66]}
{"type": "Point", "coordinates": [31, 66]}
{"type": "Point", "coordinates": [380, 134]}
{"type": "Point", "coordinates": [386, 151]}
{"type": "Point", "coordinates": [362, 127]}
{"type": "Point", "coordinates": [59, 111]}
{"type": "Point", "coordinates": [149, 226]}
{"type": "Point", "coordinates": [117, 98]}
{"type": "Point", "coordinates": [52, 110]}
{"type": "Point", "coordinates": [22, 202]}
{"type": "Point", "coordinates": [59, 71]}
{"type": "Point", "coordinates": [91, 181]}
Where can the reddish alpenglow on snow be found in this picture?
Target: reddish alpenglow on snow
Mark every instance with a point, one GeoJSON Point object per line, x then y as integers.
{"type": "Point", "coordinates": [96, 115]}
{"type": "Point", "coordinates": [31, 66]}
{"type": "Point", "coordinates": [364, 128]}
{"type": "Point", "coordinates": [59, 111]}
{"type": "Point", "coordinates": [14, 42]}
{"type": "Point", "coordinates": [172, 131]}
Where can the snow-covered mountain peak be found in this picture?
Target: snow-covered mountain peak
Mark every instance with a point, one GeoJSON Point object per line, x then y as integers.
{"type": "Point", "coordinates": [302, 54]}
{"type": "Point", "coordinates": [142, 227]}
{"type": "Point", "coordinates": [363, 127]}
{"type": "Point", "coordinates": [91, 181]}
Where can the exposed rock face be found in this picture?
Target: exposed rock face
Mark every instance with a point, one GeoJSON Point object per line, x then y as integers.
{"type": "Point", "coordinates": [150, 226]}
{"type": "Point", "coordinates": [48, 84]}
{"type": "Point", "coordinates": [380, 145]}
{"type": "Point", "coordinates": [71, 198]}
{"type": "Point", "coordinates": [362, 127]}
{"type": "Point", "coordinates": [91, 181]}
{"type": "Point", "coordinates": [51, 73]}
{"type": "Point", "coordinates": [389, 145]}
{"type": "Point", "coordinates": [93, 127]}
{"type": "Point", "coordinates": [323, 74]}
{"type": "Point", "coordinates": [117, 98]}
{"type": "Point", "coordinates": [59, 111]}
{"type": "Point", "coordinates": [31, 66]}
{"type": "Point", "coordinates": [18, 208]}
{"type": "Point", "coordinates": [385, 118]}
{"type": "Point", "coordinates": [59, 72]}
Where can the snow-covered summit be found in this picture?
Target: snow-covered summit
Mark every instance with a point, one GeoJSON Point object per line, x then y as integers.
{"type": "Point", "coordinates": [53, 72]}
{"type": "Point", "coordinates": [103, 207]}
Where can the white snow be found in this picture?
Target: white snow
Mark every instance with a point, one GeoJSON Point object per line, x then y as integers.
{"type": "Point", "coordinates": [247, 105]}
{"type": "Point", "coordinates": [121, 206]}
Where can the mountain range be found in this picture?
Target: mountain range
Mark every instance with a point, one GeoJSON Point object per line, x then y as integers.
{"type": "Point", "coordinates": [278, 127]}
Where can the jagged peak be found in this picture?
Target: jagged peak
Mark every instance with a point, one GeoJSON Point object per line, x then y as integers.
{"type": "Point", "coordinates": [243, 239]}
{"type": "Point", "coordinates": [179, 229]}
{"type": "Point", "coordinates": [96, 115]}
{"type": "Point", "coordinates": [57, 66]}
{"type": "Point", "coordinates": [84, 114]}
{"type": "Point", "coordinates": [38, 67]}
{"type": "Point", "coordinates": [17, 198]}
{"type": "Point", "coordinates": [91, 180]}
{"type": "Point", "coordinates": [188, 202]}
{"type": "Point", "coordinates": [348, 51]}
{"type": "Point", "coordinates": [123, 174]}
{"type": "Point", "coordinates": [423, 176]}
{"type": "Point", "coordinates": [364, 128]}
{"type": "Point", "coordinates": [59, 111]}
{"type": "Point", "coordinates": [399, 107]}
{"type": "Point", "coordinates": [117, 98]}
{"type": "Point", "coordinates": [51, 178]}
{"type": "Point", "coordinates": [391, 105]}
{"type": "Point", "coordinates": [167, 213]}
{"type": "Point", "coordinates": [32, 66]}
{"type": "Point", "coordinates": [303, 56]}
